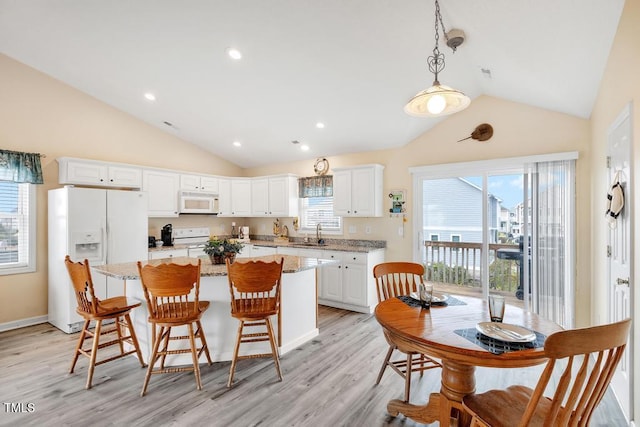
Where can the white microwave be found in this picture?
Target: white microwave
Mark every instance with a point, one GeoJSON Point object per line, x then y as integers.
{"type": "Point", "coordinates": [193, 202]}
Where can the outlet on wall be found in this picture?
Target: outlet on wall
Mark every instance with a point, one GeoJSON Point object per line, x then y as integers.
{"type": "Point", "coordinates": [367, 229]}
{"type": "Point", "coordinates": [352, 229]}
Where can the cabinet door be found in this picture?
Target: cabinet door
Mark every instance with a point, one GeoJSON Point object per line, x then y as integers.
{"type": "Point", "coordinates": [189, 182]}
{"type": "Point", "coordinates": [331, 282]}
{"type": "Point", "coordinates": [260, 196]}
{"type": "Point", "coordinates": [354, 283]}
{"type": "Point", "coordinates": [283, 196]}
{"type": "Point", "coordinates": [224, 197]}
{"type": "Point", "coordinates": [342, 193]}
{"type": "Point", "coordinates": [362, 192]}
{"type": "Point", "coordinates": [162, 188]}
{"type": "Point", "coordinates": [120, 176]}
{"type": "Point", "coordinates": [209, 184]}
{"type": "Point", "coordinates": [241, 197]}
{"type": "Point", "coordinates": [85, 173]}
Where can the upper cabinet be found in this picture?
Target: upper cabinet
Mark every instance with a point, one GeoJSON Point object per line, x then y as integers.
{"type": "Point", "coordinates": [162, 188]}
{"type": "Point", "coordinates": [202, 183]}
{"type": "Point", "coordinates": [274, 196]}
{"type": "Point", "coordinates": [240, 196]}
{"type": "Point", "coordinates": [99, 174]}
{"type": "Point", "coordinates": [357, 191]}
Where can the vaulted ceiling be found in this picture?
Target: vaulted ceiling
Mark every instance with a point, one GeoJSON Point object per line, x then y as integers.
{"type": "Point", "coordinates": [349, 64]}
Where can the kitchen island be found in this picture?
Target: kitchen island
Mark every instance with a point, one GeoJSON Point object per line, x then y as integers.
{"type": "Point", "coordinates": [296, 324]}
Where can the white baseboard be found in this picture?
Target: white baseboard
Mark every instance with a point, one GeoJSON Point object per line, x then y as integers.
{"type": "Point", "coordinates": [22, 323]}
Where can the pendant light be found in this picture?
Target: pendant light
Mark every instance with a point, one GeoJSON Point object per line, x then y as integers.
{"type": "Point", "coordinates": [438, 100]}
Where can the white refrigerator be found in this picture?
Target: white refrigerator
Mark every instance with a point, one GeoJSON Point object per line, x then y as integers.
{"type": "Point", "coordinates": [103, 226]}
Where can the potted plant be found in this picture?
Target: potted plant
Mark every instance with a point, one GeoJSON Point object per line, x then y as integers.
{"type": "Point", "coordinates": [219, 249]}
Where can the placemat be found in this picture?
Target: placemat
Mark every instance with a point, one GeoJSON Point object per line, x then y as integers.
{"type": "Point", "coordinates": [496, 346]}
{"type": "Point", "coordinates": [412, 302]}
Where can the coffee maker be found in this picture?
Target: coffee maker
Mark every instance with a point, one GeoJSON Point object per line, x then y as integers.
{"type": "Point", "coordinates": [166, 235]}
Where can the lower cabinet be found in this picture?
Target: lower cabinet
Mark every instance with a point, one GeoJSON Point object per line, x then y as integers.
{"type": "Point", "coordinates": [349, 284]}
{"type": "Point", "coordinates": [170, 253]}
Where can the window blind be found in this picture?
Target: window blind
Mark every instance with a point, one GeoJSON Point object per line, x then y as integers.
{"type": "Point", "coordinates": [15, 229]}
{"type": "Point", "coordinates": [319, 210]}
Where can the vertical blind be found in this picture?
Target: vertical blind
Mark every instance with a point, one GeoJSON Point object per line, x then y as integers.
{"type": "Point", "coordinates": [553, 237]}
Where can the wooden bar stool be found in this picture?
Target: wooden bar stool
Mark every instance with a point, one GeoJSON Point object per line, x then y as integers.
{"type": "Point", "coordinates": [394, 279]}
{"type": "Point", "coordinates": [172, 292]}
{"type": "Point", "coordinates": [255, 297]}
{"type": "Point", "coordinates": [91, 308]}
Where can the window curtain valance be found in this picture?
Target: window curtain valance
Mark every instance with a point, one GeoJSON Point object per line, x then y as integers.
{"type": "Point", "coordinates": [315, 186]}
{"type": "Point", "coordinates": [20, 167]}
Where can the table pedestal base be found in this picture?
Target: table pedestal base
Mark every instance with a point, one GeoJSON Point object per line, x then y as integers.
{"type": "Point", "coordinates": [458, 380]}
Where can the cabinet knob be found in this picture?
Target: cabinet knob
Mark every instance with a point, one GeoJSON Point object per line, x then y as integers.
{"type": "Point", "coordinates": [111, 180]}
{"type": "Point", "coordinates": [346, 266]}
{"type": "Point", "coordinates": [101, 180]}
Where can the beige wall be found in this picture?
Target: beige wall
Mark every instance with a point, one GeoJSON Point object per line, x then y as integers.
{"type": "Point", "coordinates": [519, 130]}
{"type": "Point", "coordinates": [620, 86]}
{"type": "Point", "coordinates": [40, 114]}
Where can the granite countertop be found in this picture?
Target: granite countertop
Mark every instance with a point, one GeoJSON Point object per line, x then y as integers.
{"type": "Point", "coordinates": [129, 270]}
{"type": "Point", "coordinates": [343, 245]}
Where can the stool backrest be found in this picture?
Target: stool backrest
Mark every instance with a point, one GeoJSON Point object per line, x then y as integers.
{"type": "Point", "coordinates": [172, 290]}
{"type": "Point", "coordinates": [80, 275]}
{"type": "Point", "coordinates": [255, 282]}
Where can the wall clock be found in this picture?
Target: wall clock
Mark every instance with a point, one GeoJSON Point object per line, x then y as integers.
{"type": "Point", "coordinates": [321, 166]}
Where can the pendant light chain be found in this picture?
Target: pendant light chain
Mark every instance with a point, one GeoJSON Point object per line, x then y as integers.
{"type": "Point", "coordinates": [436, 62]}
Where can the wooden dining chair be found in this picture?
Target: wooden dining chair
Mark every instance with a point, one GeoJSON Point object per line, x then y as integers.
{"type": "Point", "coordinates": [93, 309]}
{"type": "Point", "coordinates": [172, 292]}
{"type": "Point", "coordinates": [587, 357]}
{"type": "Point", "coordinates": [255, 297]}
{"type": "Point", "coordinates": [394, 279]}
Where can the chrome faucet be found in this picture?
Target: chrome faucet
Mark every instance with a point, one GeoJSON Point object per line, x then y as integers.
{"type": "Point", "coordinates": [318, 229]}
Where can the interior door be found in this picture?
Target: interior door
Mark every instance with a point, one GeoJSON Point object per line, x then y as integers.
{"type": "Point", "coordinates": [620, 243]}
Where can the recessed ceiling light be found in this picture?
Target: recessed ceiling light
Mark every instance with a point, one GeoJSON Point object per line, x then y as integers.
{"type": "Point", "coordinates": [237, 144]}
{"type": "Point", "coordinates": [234, 53]}
{"type": "Point", "coordinates": [304, 147]}
{"type": "Point", "coordinates": [150, 96]}
{"type": "Point", "coordinates": [320, 125]}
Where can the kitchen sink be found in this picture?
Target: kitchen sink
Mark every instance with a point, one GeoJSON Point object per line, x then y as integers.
{"type": "Point", "coordinates": [309, 244]}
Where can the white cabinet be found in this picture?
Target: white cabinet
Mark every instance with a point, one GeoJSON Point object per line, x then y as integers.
{"type": "Point", "coordinates": [99, 174]}
{"type": "Point", "coordinates": [274, 196]}
{"type": "Point", "coordinates": [240, 197]}
{"type": "Point", "coordinates": [234, 197]}
{"type": "Point", "coordinates": [224, 197]}
{"type": "Point", "coordinates": [203, 183]}
{"type": "Point", "coordinates": [170, 253]}
{"type": "Point", "coordinates": [162, 188]}
{"type": "Point", "coordinates": [285, 250]}
{"type": "Point", "coordinates": [357, 191]}
{"type": "Point", "coordinates": [349, 284]}
{"type": "Point", "coordinates": [263, 250]}
{"type": "Point", "coordinates": [246, 252]}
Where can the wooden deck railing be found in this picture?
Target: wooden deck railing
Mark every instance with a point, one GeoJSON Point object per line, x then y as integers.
{"type": "Point", "coordinates": [460, 263]}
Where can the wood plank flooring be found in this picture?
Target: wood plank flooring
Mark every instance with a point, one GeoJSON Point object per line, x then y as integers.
{"type": "Point", "coordinates": [327, 382]}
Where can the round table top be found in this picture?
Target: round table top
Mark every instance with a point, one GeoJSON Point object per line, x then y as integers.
{"type": "Point", "coordinates": [432, 331]}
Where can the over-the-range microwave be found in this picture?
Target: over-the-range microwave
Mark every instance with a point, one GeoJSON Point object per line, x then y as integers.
{"type": "Point", "coordinates": [193, 202]}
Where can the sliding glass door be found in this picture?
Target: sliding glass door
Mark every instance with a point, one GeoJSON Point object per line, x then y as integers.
{"type": "Point", "coordinates": [504, 226]}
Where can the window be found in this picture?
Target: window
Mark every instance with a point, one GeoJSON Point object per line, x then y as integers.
{"type": "Point", "coordinates": [434, 237]}
{"type": "Point", "coordinates": [17, 228]}
{"type": "Point", "coordinates": [319, 210]}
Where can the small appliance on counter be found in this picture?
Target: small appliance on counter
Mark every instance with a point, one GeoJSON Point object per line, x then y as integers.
{"type": "Point", "coordinates": [167, 235]}
{"type": "Point", "coordinates": [152, 241]}
{"type": "Point", "coordinates": [243, 236]}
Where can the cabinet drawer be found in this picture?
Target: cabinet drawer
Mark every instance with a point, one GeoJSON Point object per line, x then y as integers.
{"type": "Point", "coordinates": [354, 257]}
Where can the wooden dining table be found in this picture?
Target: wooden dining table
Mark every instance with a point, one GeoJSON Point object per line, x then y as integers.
{"type": "Point", "coordinates": [433, 332]}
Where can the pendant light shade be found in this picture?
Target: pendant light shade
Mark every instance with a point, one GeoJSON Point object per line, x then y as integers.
{"type": "Point", "coordinates": [438, 100]}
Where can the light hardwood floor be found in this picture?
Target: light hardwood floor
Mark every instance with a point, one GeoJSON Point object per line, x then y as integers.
{"type": "Point", "coordinates": [327, 382]}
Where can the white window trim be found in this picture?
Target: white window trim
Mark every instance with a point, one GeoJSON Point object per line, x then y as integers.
{"type": "Point", "coordinates": [31, 266]}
